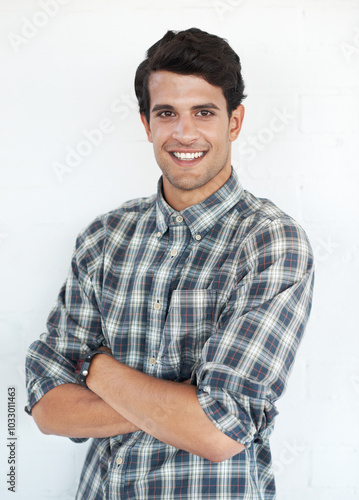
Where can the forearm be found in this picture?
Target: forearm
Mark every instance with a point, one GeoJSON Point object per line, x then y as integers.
{"type": "Point", "coordinates": [167, 410]}
{"type": "Point", "coordinates": [73, 411]}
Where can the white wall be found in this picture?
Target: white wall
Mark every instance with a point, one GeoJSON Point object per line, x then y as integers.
{"type": "Point", "coordinates": [65, 72]}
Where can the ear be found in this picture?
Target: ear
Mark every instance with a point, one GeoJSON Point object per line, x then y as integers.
{"type": "Point", "coordinates": [147, 127]}
{"type": "Point", "coordinates": [235, 122]}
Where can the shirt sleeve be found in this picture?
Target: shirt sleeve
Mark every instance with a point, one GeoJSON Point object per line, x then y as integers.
{"type": "Point", "coordinates": [245, 364]}
{"type": "Point", "coordinates": [74, 325]}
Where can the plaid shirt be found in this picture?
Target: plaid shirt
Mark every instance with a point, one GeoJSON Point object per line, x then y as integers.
{"type": "Point", "coordinates": [220, 293]}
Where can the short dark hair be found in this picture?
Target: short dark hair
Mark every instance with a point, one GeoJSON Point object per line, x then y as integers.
{"type": "Point", "coordinates": [192, 52]}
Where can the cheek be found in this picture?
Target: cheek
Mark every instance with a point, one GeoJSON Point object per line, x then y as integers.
{"type": "Point", "coordinates": [158, 137]}
{"type": "Point", "coordinates": [215, 134]}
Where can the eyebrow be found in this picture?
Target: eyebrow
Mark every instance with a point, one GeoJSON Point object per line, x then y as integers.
{"type": "Point", "coordinates": [168, 107]}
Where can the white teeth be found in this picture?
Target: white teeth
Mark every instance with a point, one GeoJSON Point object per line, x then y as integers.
{"type": "Point", "coordinates": [188, 156]}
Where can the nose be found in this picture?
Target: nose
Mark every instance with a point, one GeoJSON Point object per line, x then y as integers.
{"type": "Point", "coordinates": [185, 130]}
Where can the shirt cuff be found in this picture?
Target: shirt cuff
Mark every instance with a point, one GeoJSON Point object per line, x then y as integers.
{"type": "Point", "coordinates": [236, 406]}
{"type": "Point", "coordinates": [38, 390]}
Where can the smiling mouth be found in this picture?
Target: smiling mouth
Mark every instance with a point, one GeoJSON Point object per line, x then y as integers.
{"type": "Point", "coordinates": [188, 156]}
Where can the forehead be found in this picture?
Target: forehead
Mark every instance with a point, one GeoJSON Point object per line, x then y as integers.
{"type": "Point", "coordinates": [181, 90]}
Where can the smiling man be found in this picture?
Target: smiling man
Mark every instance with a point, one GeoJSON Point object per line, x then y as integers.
{"type": "Point", "coordinates": [177, 327]}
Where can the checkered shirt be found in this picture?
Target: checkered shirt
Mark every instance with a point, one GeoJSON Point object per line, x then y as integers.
{"type": "Point", "coordinates": [220, 293]}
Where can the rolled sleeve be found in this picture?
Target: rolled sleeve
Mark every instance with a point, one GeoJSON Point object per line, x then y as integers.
{"type": "Point", "coordinates": [245, 364]}
{"type": "Point", "coordinates": [45, 369]}
{"type": "Point", "coordinates": [236, 406]}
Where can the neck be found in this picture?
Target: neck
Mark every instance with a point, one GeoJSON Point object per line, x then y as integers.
{"type": "Point", "coordinates": [179, 199]}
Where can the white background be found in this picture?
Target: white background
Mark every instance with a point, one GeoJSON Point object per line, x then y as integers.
{"type": "Point", "coordinates": [62, 74]}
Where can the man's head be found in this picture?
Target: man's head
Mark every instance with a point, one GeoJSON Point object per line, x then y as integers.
{"type": "Point", "coordinates": [192, 52]}
{"type": "Point", "coordinates": [189, 90]}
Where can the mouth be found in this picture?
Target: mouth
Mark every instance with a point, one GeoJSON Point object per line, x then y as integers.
{"type": "Point", "coordinates": [187, 158]}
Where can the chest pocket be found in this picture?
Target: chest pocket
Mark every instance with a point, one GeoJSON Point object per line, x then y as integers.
{"type": "Point", "coordinates": [190, 322]}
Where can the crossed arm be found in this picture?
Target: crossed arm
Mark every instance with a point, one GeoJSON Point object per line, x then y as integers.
{"type": "Point", "coordinates": [124, 400]}
{"type": "Point", "coordinates": [262, 324]}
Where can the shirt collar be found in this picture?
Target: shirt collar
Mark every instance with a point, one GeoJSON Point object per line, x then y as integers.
{"type": "Point", "coordinates": [203, 216]}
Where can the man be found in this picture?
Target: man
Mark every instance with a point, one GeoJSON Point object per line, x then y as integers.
{"type": "Point", "coordinates": [178, 324]}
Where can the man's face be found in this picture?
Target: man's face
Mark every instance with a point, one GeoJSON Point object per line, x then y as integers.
{"type": "Point", "coordinates": [191, 135]}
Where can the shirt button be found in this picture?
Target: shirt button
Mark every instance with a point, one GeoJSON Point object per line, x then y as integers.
{"type": "Point", "coordinates": [119, 460]}
{"type": "Point", "coordinates": [157, 306]}
{"type": "Point", "coordinates": [179, 218]}
{"type": "Point", "coordinates": [207, 389]}
{"type": "Point", "coordinates": [174, 252]}
{"type": "Point", "coordinates": [159, 234]}
{"type": "Point", "coordinates": [153, 361]}
{"type": "Point", "coordinates": [198, 237]}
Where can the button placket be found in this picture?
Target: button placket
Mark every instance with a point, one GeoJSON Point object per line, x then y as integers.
{"type": "Point", "coordinates": [175, 241]}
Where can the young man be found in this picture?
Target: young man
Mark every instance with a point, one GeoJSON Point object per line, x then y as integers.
{"type": "Point", "coordinates": [177, 327]}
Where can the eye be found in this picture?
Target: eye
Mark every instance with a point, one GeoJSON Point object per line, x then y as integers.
{"type": "Point", "coordinates": [166, 114]}
{"type": "Point", "coordinates": [204, 113]}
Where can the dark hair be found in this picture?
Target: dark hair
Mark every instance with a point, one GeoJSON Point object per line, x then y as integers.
{"type": "Point", "coordinates": [192, 52]}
